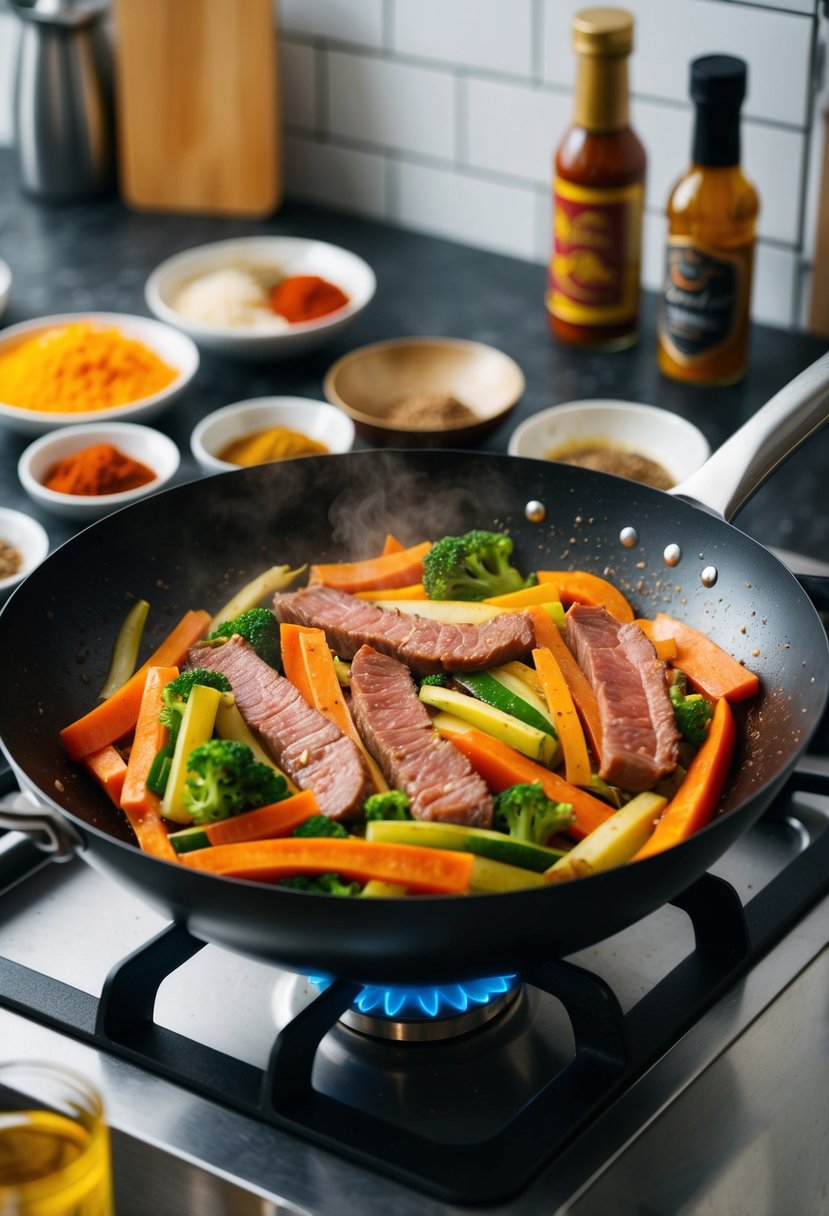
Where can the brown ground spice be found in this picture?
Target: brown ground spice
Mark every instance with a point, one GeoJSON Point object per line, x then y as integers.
{"type": "Point", "coordinates": [11, 559]}
{"type": "Point", "coordinates": [623, 464]}
{"type": "Point", "coordinates": [430, 412]}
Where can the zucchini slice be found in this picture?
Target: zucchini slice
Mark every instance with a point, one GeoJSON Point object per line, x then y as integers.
{"type": "Point", "coordinates": [528, 740]}
{"type": "Point", "coordinates": [483, 842]}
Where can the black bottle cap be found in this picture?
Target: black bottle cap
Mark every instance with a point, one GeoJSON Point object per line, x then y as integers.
{"type": "Point", "coordinates": [718, 80]}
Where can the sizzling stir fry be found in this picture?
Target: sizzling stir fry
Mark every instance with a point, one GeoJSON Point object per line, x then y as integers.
{"type": "Point", "coordinates": [427, 721]}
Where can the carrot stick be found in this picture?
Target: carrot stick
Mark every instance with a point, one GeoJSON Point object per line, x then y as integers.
{"type": "Point", "coordinates": [582, 587]}
{"type": "Point", "coordinates": [415, 591]}
{"type": "Point", "coordinates": [141, 806]}
{"type": "Point", "coordinates": [109, 768]}
{"type": "Point", "coordinates": [392, 545]}
{"type": "Point", "coordinates": [566, 720]}
{"type": "Point", "coordinates": [115, 717]}
{"type": "Point", "coordinates": [389, 570]}
{"type": "Point", "coordinates": [276, 819]}
{"type": "Point", "coordinates": [435, 871]}
{"type": "Point", "coordinates": [710, 669]}
{"type": "Point", "coordinates": [293, 663]}
{"type": "Point", "coordinates": [502, 766]}
{"type": "Point", "coordinates": [548, 634]}
{"type": "Point", "coordinates": [696, 800]}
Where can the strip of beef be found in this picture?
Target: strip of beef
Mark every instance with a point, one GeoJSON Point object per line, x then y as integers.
{"type": "Point", "coordinates": [314, 753]}
{"type": "Point", "coordinates": [397, 730]}
{"type": "Point", "coordinates": [639, 734]}
{"type": "Point", "coordinates": [424, 645]}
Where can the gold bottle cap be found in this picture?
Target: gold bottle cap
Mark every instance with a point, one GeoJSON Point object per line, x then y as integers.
{"type": "Point", "coordinates": [603, 31]}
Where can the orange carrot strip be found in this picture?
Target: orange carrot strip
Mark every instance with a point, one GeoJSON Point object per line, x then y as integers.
{"type": "Point", "coordinates": [392, 545]}
{"type": "Point", "coordinates": [502, 766]}
{"type": "Point", "coordinates": [141, 806]}
{"type": "Point", "coordinates": [275, 819]}
{"type": "Point", "coordinates": [109, 768]}
{"type": "Point", "coordinates": [710, 669]}
{"type": "Point", "coordinates": [115, 717]}
{"type": "Point", "coordinates": [431, 871]}
{"type": "Point", "coordinates": [696, 800]}
{"type": "Point", "coordinates": [548, 634]}
{"type": "Point", "coordinates": [293, 662]}
{"type": "Point", "coordinates": [390, 570]}
{"type": "Point", "coordinates": [582, 587]}
{"type": "Point", "coordinates": [416, 591]}
{"type": "Point", "coordinates": [566, 720]}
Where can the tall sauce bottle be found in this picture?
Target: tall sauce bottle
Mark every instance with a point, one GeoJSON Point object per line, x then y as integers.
{"type": "Point", "coordinates": [712, 214]}
{"type": "Point", "coordinates": [598, 194]}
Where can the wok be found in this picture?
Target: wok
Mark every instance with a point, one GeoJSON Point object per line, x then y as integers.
{"type": "Point", "coordinates": [195, 544]}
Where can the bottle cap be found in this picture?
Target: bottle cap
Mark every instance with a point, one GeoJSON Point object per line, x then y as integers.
{"type": "Point", "coordinates": [718, 80]}
{"type": "Point", "coordinates": [603, 31]}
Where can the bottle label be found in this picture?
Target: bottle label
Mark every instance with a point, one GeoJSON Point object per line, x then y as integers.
{"type": "Point", "coordinates": [594, 269]}
{"type": "Point", "coordinates": [703, 301]}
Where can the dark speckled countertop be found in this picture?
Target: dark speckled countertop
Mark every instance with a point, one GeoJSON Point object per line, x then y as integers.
{"type": "Point", "coordinates": [98, 255]}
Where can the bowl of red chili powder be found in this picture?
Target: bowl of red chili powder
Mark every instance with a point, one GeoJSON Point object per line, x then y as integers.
{"type": "Point", "coordinates": [261, 297]}
{"type": "Point", "coordinates": [85, 472]}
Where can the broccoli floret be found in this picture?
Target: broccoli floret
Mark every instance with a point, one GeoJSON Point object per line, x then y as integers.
{"type": "Point", "coordinates": [525, 812]}
{"type": "Point", "coordinates": [691, 713]}
{"type": "Point", "coordinates": [224, 779]}
{"type": "Point", "coordinates": [328, 884]}
{"type": "Point", "coordinates": [440, 679]}
{"type": "Point", "coordinates": [390, 804]}
{"type": "Point", "coordinates": [472, 567]}
{"type": "Point", "coordinates": [175, 695]}
{"type": "Point", "coordinates": [320, 825]}
{"type": "Point", "coordinates": [257, 626]}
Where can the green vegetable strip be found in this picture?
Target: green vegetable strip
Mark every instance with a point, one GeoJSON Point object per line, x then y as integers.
{"type": "Point", "coordinates": [125, 650]}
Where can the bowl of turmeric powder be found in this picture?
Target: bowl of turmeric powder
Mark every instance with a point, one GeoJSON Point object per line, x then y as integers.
{"type": "Point", "coordinates": [79, 368]}
{"type": "Point", "coordinates": [261, 297]}
{"type": "Point", "coordinates": [85, 472]}
{"type": "Point", "coordinates": [266, 429]}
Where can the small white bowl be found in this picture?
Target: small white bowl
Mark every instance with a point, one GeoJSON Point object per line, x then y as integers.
{"type": "Point", "coordinates": [29, 538]}
{"type": "Point", "coordinates": [142, 443]}
{"type": "Point", "coordinates": [284, 256]}
{"type": "Point", "coordinates": [176, 349]}
{"type": "Point", "coordinates": [316, 419]}
{"type": "Point", "coordinates": [659, 435]}
{"type": "Point", "coordinates": [5, 285]}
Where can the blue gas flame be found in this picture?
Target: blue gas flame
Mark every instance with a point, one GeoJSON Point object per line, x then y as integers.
{"type": "Point", "coordinates": [447, 1000]}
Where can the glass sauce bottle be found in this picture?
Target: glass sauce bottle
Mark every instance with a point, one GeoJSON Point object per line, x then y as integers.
{"type": "Point", "coordinates": [712, 215]}
{"type": "Point", "coordinates": [598, 194]}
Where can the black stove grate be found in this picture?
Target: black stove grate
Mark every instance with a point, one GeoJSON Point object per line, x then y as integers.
{"type": "Point", "coordinates": [612, 1047]}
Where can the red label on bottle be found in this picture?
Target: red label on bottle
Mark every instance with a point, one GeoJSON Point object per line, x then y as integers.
{"type": "Point", "coordinates": [594, 270]}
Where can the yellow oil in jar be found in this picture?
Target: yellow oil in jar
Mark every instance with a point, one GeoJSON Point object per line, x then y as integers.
{"type": "Point", "coordinates": [51, 1165]}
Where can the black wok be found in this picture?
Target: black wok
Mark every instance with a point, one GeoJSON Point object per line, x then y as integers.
{"type": "Point", "coordinates": [195, 544]}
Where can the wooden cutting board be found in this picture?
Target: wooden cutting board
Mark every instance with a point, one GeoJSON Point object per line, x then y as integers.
{"type": "Point", "coordinates": [197, 106]}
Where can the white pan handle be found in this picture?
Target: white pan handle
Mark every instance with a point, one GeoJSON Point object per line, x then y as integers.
{"type": "Point", "coordinates": [736, 470]}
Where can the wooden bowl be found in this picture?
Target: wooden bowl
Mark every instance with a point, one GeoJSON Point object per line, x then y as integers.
{"type": "Point", "coordinates": [365, 382]}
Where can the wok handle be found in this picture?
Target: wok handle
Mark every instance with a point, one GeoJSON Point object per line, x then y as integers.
{"type": "Point", "coordinates": [48, 831]}
{"type": "Point", "coordinates": [739, 468]}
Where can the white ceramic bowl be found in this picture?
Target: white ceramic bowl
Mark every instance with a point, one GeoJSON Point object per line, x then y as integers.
{"type": "Point", "coordinates": [285, 256]}
{"type": "Point", "coordinates": [31, 541]}
{"type": "Point", "coordinates": [316, 419]}
{"type": "Point", "coordinates": [659, 435]}
{"type": "Point", "coordinates": [142, 443]}
{"type": "Point", "coordinates": [175, 348]}
{"type": "Point", "coordinates": [5, 285]}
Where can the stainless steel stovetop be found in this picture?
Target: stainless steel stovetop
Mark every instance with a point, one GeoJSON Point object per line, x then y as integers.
{"type": "Point", "coordinates": [721, 1107]}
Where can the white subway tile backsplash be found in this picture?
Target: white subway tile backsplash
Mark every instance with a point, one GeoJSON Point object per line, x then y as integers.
{"type": "Point", "coordinates": [669, 33]}
{"type": "Point", "coordinates": [297, 79]}
{"type": "Point", "coordinates": [514, 129]}
{"type": "Point", "coordinates": [488, 214]}
{"type": "Point", "coordinates": [496, 35]}
{"type": "Point", "coordinates": [392, 105]}
{"type": "Point", "coordinates": [359, 21]}
{"type": "Point", "coordinates": [345, 179]}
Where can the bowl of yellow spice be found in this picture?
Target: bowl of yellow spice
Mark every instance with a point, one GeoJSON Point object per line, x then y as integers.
{"type": "Point", "coordinates": [266, 429]}
{"type": "Point", "coordinates": [78, 368]}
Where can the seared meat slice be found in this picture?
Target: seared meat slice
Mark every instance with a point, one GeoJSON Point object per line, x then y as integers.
{"type": "Point", "coordinates": [310, 749]}
{"type": "Point", "coordinates": [639, 734]}
{"type": "Point", "coordinates": [424, 645]}
{"type": "Point", "coordinates": [397, 730]}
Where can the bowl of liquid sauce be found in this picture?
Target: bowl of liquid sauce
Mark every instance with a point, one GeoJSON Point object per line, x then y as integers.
{"type": "Point", "coordinates": [265, 429]}
{"type": "Point", "coordinates": [640, 442]}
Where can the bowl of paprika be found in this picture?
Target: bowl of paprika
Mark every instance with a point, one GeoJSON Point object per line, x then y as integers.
{"type": "Point", "coordinates": [85, 472]}
{"type": "Point", "coordinates": [261, 297]}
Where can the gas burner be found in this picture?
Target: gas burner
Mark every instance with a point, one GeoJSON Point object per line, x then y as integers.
{"type": "Point", "coordinates": [415, 1015]}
